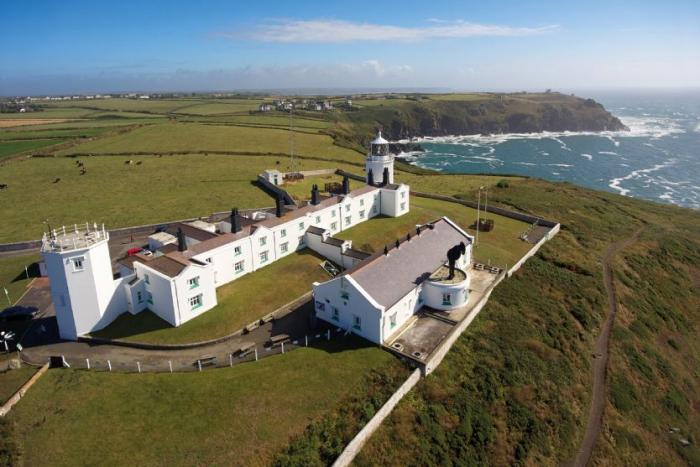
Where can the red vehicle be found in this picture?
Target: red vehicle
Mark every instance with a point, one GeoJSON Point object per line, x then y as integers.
{"type": "Point", "coordinates": [133, 251]}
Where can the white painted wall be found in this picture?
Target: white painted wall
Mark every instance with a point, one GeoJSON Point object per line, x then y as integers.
{"type": "Point", "coordinates": [433, 294]}
{"type": "Point", "coordinates": [328, 295]}
{"type": "Point", "coordinates": [183, 291]}
{"type": "Point", "coordinates": [376, 164]}
{"type": "Point", "coordinates": [396, 202]}
{"type": "Point", "coordinates": [403, 309]}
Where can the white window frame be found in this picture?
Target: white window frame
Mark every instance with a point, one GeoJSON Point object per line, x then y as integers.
{"type": "Point", "coordinates": [239, 267]}
{"type": "Point", "coordinates": [301, 226]}
{"type": "Point", "coordinates": [78, 263]}
{"type": "Point", "coordinates": [237, 251]}
{"type": "Point", "coordinates": [334, 226]}
{"type": "Point", "coordinates": [262, 241]}
{"type": "Point", "coordinates": [264, 257]}
{"type": "Point", "coordinates": [356, 322]}
{"type": "Point", "coordinates": [283, 233]}
{"type": "Point", "coordinates": [362, 214]}
{"type": "Point", "coordinates": [195, 302]}
{"type": "Point", "coordinates": [193, 282]}
{"type": "Point", "coordinates": [284, 247]}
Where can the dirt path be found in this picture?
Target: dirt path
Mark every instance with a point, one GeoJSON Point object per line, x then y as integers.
{"type": "Point", "coordinates": [601, 352]}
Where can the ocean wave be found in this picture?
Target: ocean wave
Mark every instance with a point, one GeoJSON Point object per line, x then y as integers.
{"type": "Point", "coordinates": [615, 183]}
{"type": "Point", "coordinates": [639, 127]}
{"type": "Point", "coordinates": [609, 153]}
{"type": "Point", "coordinates": [587, 156]}
{"type": "Point", "coordinates": [560, 165]}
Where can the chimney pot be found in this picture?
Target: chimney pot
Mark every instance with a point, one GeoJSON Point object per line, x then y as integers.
{"type": "Point", "coordinates": [278, 206]}
{"type": "Point", "coordinates": [398, 243]}
{"type": "Point", "coordinates": [181, 240]}
{"type": "Point", "coordinates": [386, 250]}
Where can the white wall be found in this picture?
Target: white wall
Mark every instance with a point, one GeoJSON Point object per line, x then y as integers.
{"type": "Point", "coordinates": [404, 309]}
{"type": "Point", "coordinates": [395, 202]}
{"type": "Point", "coordinates": [224, 258]}
{"type": "Point", "coordinates": [357, 303]}
{"type": "Point", "coordinates": [184, 292]}
{"type": "Point", "coordinates": [162, 290]}
{"type": "Point", "coordinates": [433, 294]}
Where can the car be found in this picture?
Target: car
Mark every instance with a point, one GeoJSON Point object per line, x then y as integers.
{"type": "Point", "coordinates": [18, 313]}
{"type": "Point", "coordinates": [134, 251]}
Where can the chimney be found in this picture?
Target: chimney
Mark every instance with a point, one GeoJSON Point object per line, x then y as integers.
{"type": "Point", "coordinates": [314, 195]}
{"type": "Point", "coordinates": [181, 240]}
{"type": "Point", "coordinates": [385, 179]}
{"type": "Point", "coordinates": [346, 185]}
{"type": "Point", "coordinates": [418, 230]}
{"type": "Point", "coordinates": [408, 237]}
{"type": "Point", "coordinates": [370, 177]}
{"type": "Point", "coordinates": [398, 243]}
{"type": "Point", "coordinates": [386, 250]}
{"type": "Point", "coordinates": [278, 206]}
{"type": "Point", "coordinates": [235, 221]}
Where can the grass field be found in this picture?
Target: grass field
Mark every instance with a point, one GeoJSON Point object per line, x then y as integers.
{"type": "Point", "coordinates": [31, 133]}
{"type": "Point", "coordinates": [160, 189]}
{"type": "Point", "coordinates": [12, 380]}
{"type": "Point", "coordinates": [13, 276]}
{"type": "Point", "coordinates": [129, 105]}
{"type": "Point", "coordinates": [501, 246]}
{"type": "Point", "coordinates": [189, 137]}
{"type": "Point", "coordinates": [230, 416]}
{"type": "Point", "coordinates": [240, 302]}
{"type": "Point", "coordinates": [12, 148]}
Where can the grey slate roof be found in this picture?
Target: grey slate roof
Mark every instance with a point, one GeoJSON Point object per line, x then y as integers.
{"type": "Point", "coordinates": [388, 278]}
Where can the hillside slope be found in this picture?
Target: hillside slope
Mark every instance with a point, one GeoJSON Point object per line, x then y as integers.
{"type": "Point", "coordinates": [516, 387]}
{"type": "Point", "coordinates": [436, 115]}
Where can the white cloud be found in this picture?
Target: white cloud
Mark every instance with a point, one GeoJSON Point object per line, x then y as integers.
{"type": "Point", "coordinates": [322, 30]}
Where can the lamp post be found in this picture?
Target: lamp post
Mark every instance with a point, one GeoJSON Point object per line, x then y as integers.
{"type": "Point", "coordinates": [6, 337]}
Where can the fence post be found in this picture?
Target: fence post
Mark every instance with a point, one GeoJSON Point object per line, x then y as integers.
{"type": "Point", "coordinates": [109, 365]}
{"type": "Point", "coordinates": [199, 365]}
{"type": "Point", "coordinates": [170, 365]}
{"type": "Point", "coordinates": [138, 365]}
{"type": "Point", "coordinates": [328, 335]}
{"type": "Point", "coordinates": [230, 359]}
{"type": "Point", "coordinates": [306, 341]}
{"type": "Point", "coordinates": [282, 347]}
{"type": "Point", "coordinates": [256, 354]}
{"type": "Point", "coordinates": [87, 363]}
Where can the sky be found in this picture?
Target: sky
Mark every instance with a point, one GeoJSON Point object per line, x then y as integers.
{"type": "Point", "coordinates": [49, 47]}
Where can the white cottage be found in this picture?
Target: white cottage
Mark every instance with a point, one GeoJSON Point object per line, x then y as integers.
{"type": "Point", "coordinates": [376, 297]}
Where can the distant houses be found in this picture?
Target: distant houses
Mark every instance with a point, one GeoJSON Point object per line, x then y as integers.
{"type": "Point", "coordinates": [287, 105]}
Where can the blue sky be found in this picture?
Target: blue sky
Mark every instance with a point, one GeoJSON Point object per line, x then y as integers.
{"type": "Point", "coordinates": [74, 46]}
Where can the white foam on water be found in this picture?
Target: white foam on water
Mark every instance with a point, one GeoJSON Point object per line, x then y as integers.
{"type": "Point", "coordinates": [561, 165]}
{"type": "Point", "coordinates": [587, 156]}
{"type": "Point", "coordinates": [609, 153]}
{"type": "Point", "coordinates": [615, 183]}
{"type": "Point", "coordinates": [524, 163]}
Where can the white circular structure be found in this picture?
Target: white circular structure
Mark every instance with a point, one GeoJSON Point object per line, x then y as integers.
{"type": "Point", "coordinates": [442, 293]}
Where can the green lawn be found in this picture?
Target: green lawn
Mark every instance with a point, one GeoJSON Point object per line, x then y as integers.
{"type": "Point", "coordinates": [240, 302]}
{"type": "Point", "coordinates": [230, 416]}
{"type": "Point", "coordinates": [12, 148]}
{"type": "Point", "coordinates": [13, 277]}
{"type": "Point", "coordinates": [160, 189]}
{"type": "Point", "coordinates": [501, 246]}
{"type": "Point", "coordinates": [131, 105]}
{"type": "Point", "coordinates": [12, 380]}
{"type": "Point", "coordinates": [30, 132]}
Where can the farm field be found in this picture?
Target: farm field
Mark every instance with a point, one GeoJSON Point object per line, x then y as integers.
{"type": "Point", "coordinates": [239, 302]}
{"type": "Point", "coordinates": [206, 418]}
{"type": "Point", "coordinates": [12, 148]}
{"type": "Point", "coordinates": [194, 137]}
{"type": "Point", "coordinates": [181, 186]}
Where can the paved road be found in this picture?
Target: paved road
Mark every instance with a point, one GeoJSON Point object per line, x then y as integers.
{"type": "Point", "coordinates": [42, 341]}
{"type": "Point", "coordinates": [602, 349]}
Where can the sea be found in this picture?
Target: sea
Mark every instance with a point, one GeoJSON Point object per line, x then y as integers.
{"type": "Point", "coordinates": [658, 159]}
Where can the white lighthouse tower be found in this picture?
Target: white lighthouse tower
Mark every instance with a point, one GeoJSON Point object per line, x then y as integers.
{"type": "Point", "coordinates": [80, 272]}
{"type": "Point", "coordinates": [379, 161]}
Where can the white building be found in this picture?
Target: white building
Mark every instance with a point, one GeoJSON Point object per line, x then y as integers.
{"type": "Point", "coordinates": [178, 282]}
{"type": "Point", "coordinates": [379, 161]}
{"type": "Point", "coordinates": [376, 297]}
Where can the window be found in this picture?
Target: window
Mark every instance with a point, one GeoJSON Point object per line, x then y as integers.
{"type": "Point", "coordinates": [356, 322]}
{"type": "Point", "coordinates": [392, 321]}
{"type": "Point", "coordinates": [239, 267]}
{"type": "Point", "coordinates": [334, 226]}
{"type": "Point", "coordinates": [263, 241]}
{"type": "Point", "coordinates": [447, 299]}
{"type": "Point", "coordinates": [149, 297]}
{"type": "Point", "coordinates": [208, 260]}
{"type": "Point", "coordinates": [362, 214]}
{"type": "Point", "coordinates": [362, 202]}
{"type": "Point", "coordinates": [237, 251]}
{"type": "Point", "coordinates": [403, 206]}
{"type": "Point", "coordinates": [193, 282]}
{"type": "Point", "coordinates": [283, 233]}
{"type": "Point", "coordinates": [320, 306]}
{"type": "Point", "coordinates": [146, 279]}
{"type": "Point", "coordinates": [348, 219]}
{"type": "Point", "coordinates": [301, 226]}
{"type": "Point", "coordinates": [139, 297]}
{"type": "Point", "coordinates": [284, 247]}
{"type": "Point", "coordinates": [301, 240]}
{"type": "Point", "coordinates": [348, 207]}
{"type": "Point", "coordinates": [374, 209]}
{"type": "Point", "coordinates": [195, 302]}
{"type": "Point", "coordinates": [333, 213]}
{"type": "Point", "coordinates": [344, 295]}
{"type": "Point", "coordinates": [263, 257]}
{"type": "Point", "coordinates": [403, 195]}
{"type": "Point", "coordinates": [78, 263]}
{"type": "Point", "coordinates": [318, 219]}
{"type": "Point", "coordinates": [336, 314]}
